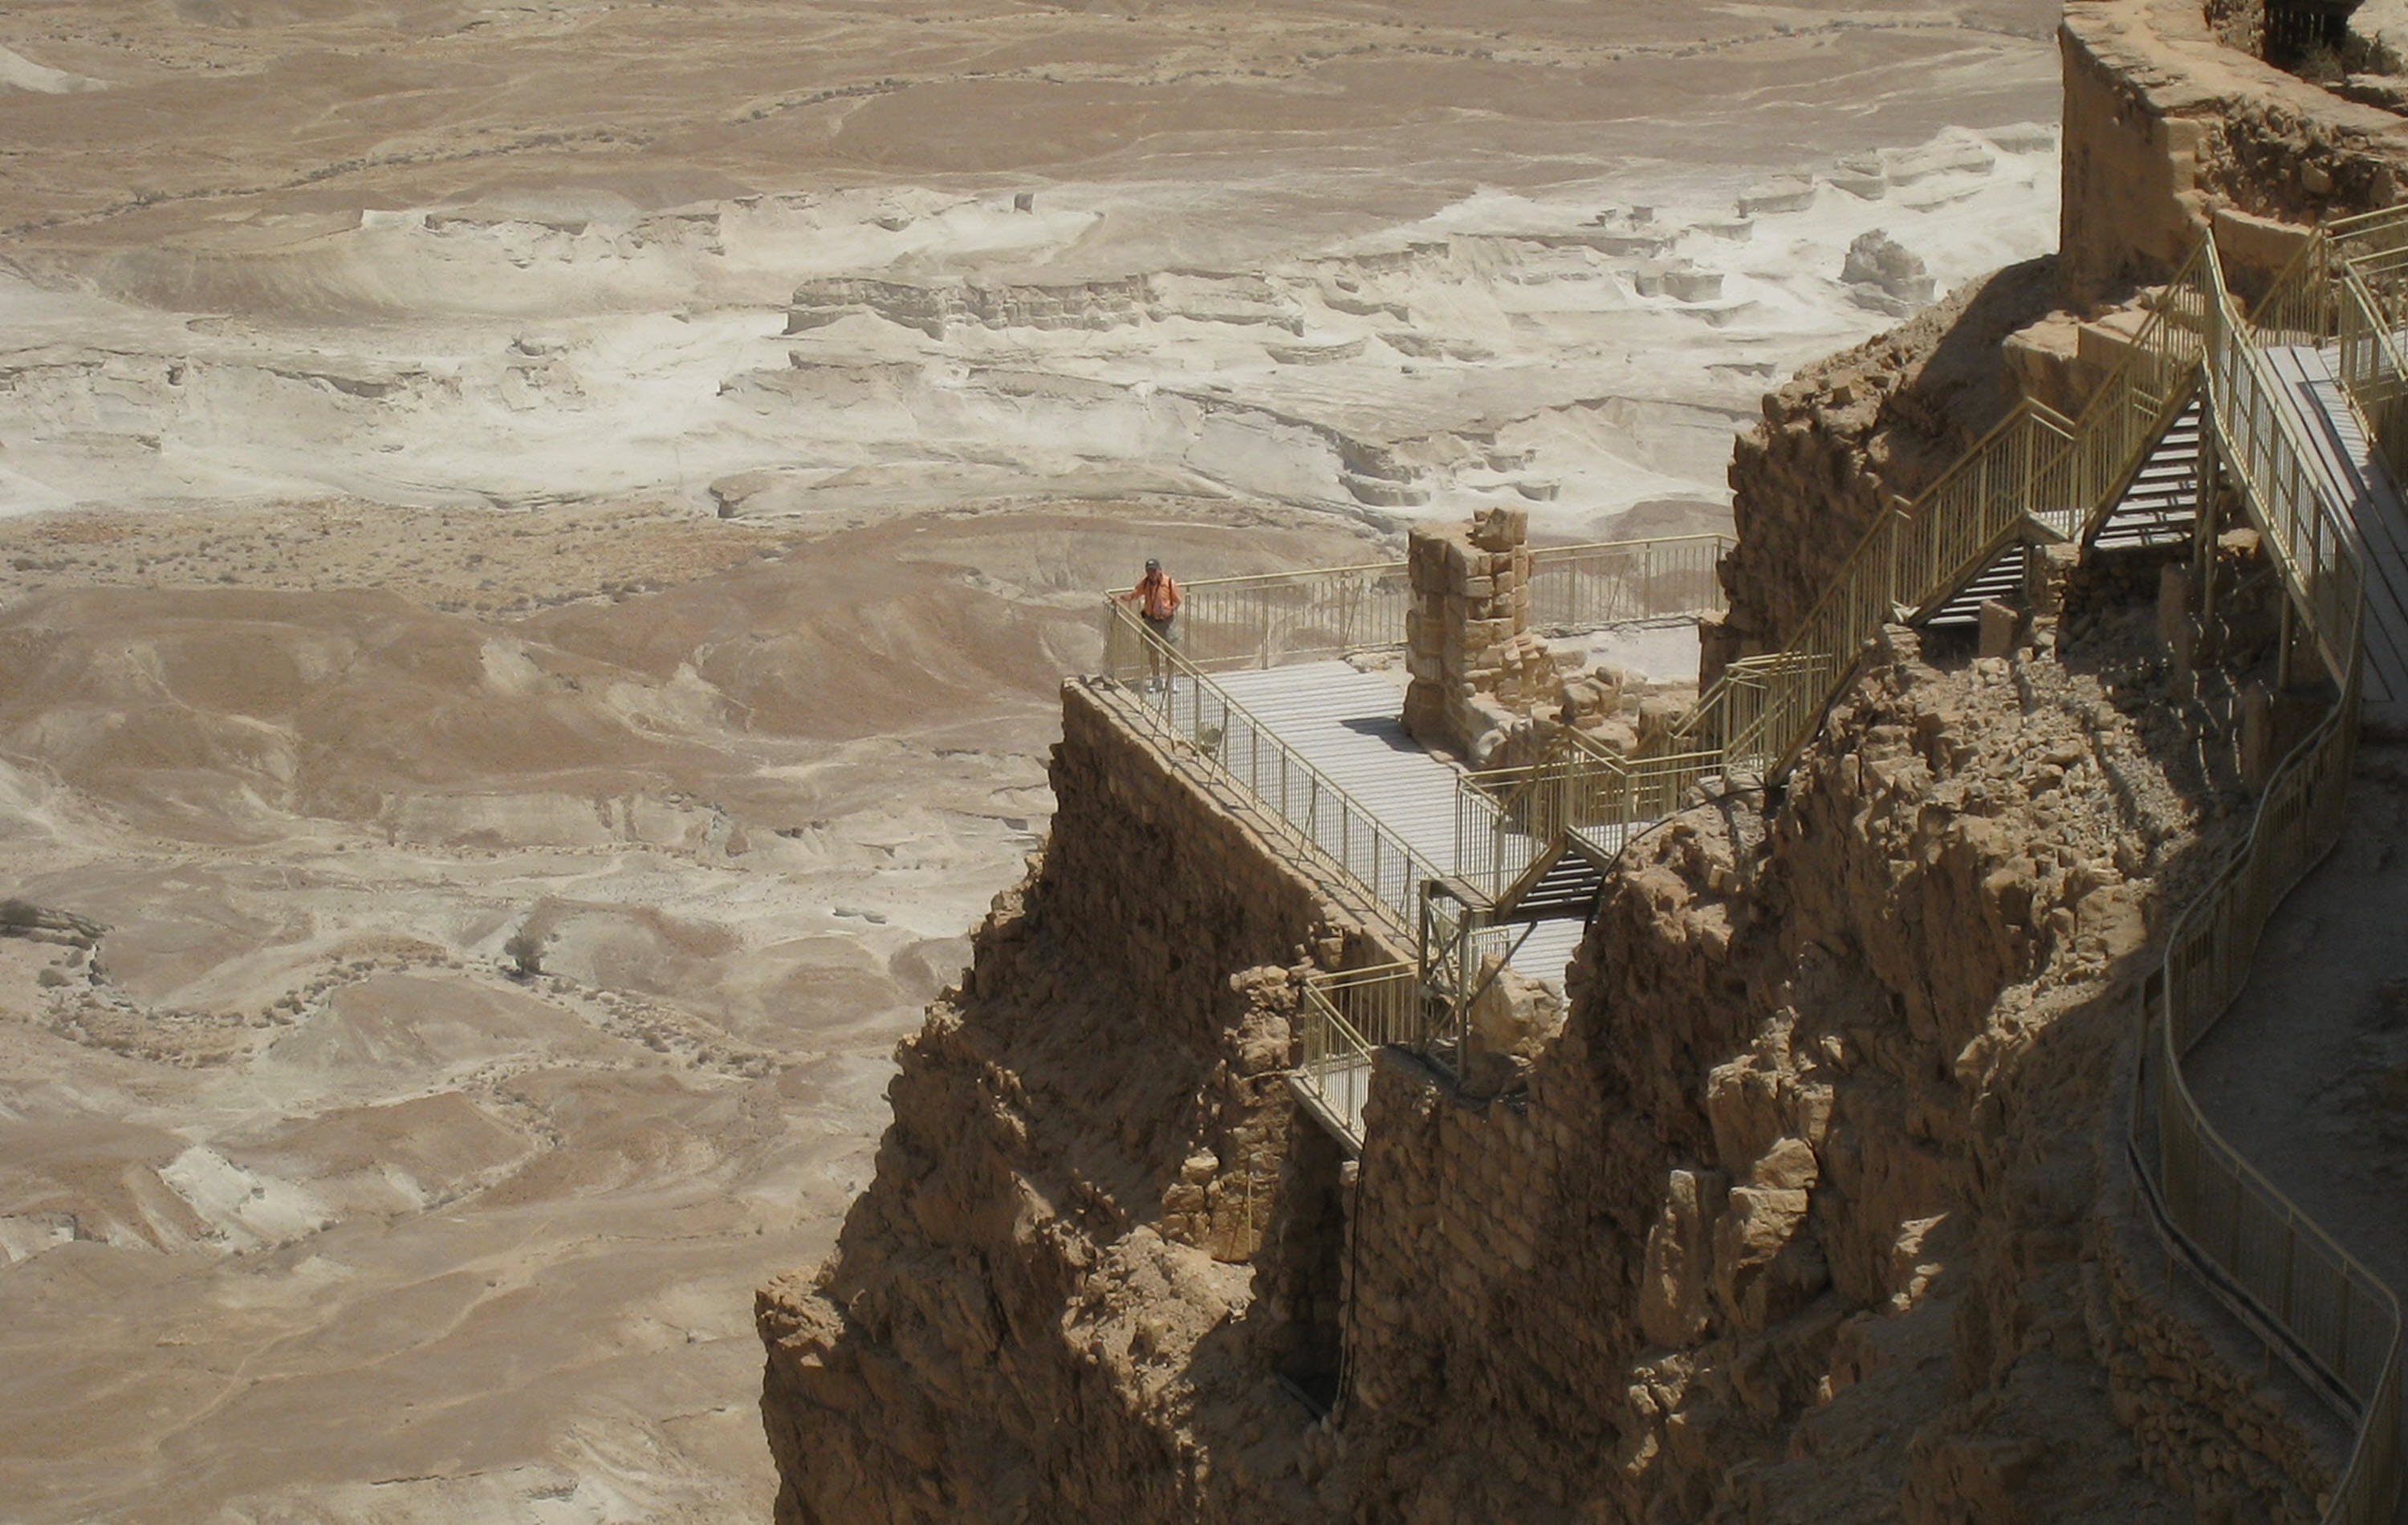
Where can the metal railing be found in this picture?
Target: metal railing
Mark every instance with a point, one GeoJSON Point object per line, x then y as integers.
{"type": "Point", "coordinates": [1463, 952]}
{"type": "Point", "coordinates": [2373, 370]}
{"type": "Point", "coordinates": [1273, 619]}
{"type": "Point", "coordinates": [2310, 539]}
{"type": "Point", "coordinates": [2034, 476]}
{"type": "Point", "coordinates": [1347, 1017]}
{"type": "Point", "coordinates": [1276, 618]}
{"type": "Point", "coordinates": [1216, 730]}
{"type": "Point", "coordinates": [2318, 1306]}
{"type": "Point", "coordinates": [1576, 587]}
{"type": "Point", "coordinates": [1506, 818]}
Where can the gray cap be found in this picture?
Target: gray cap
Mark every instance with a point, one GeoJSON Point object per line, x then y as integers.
{"type": "Point", "coordinates": [1151, 565]}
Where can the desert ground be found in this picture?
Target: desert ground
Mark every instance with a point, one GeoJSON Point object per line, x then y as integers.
{"type": "Point", "coordinates": [617, 484]}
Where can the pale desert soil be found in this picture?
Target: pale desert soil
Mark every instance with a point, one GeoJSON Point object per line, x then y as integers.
{"type": "Point", "coordinates": [372, 380]}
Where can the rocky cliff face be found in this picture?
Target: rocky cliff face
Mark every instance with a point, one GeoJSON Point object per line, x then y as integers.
{"type": "Point", "coordinates": [1793, 1220]}
{"type": "Point", "coordinates": [1063, 1298]}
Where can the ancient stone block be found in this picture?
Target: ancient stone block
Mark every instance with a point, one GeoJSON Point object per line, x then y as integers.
{"type": "Point", "coordinates": [1500, 528]}
{"type": "Point", "coordinates": [2000, 624]}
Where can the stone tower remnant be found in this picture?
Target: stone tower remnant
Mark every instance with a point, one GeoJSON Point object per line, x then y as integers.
{"type": "Point", "coordinates": [1475, 666]}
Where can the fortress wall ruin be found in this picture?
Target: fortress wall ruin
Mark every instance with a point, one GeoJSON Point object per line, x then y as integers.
{"type": "Point", "coordinates": [2168, 131]}
{"type": "Point", "coordinates": [1094, 1167]}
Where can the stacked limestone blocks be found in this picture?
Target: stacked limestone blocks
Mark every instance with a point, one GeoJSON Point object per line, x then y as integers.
{"type": "Point", "coordinates": [1476, 667]}
{"type": "Point", "coordinates": [1624, 713]}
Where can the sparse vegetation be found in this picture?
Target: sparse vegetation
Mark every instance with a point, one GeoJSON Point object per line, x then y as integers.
{"type": "Point", "coordinates": [524, 950]}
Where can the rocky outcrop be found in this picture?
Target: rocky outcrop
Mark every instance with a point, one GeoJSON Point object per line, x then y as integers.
{"type": "Point", "coordinates": [1852, 433]}
{"type": "Point", "coordinates": [1789, 1224]}
{"type": "Point", "coordinates": [1063, 1296]}
{"type": "Point", "coordinates": [1789, 1221]}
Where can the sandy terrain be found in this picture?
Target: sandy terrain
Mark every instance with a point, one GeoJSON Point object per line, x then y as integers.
{"type": "Point", "coordinates": [631, 475]}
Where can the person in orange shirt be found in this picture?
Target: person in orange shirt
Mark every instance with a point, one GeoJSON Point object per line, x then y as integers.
{"type": "Point", "coordinates": [1157, 596]}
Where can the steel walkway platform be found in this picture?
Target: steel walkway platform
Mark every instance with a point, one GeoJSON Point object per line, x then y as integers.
{"type": "Point", "coordinates": [2355, 475]}
{"type": "Point", "coordinates": [1345, 723]}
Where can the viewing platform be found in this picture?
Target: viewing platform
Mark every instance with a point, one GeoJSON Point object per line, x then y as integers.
{"type": "Point", "coordinates": [1352, 705]}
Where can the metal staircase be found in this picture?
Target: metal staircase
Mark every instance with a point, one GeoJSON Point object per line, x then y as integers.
{"type": "Point", "coordinates": [2160, 506]}
{"type": "Point", "coordinates": [2004, 578]}
{"type": "Point", "coordinates": [1564, 880]}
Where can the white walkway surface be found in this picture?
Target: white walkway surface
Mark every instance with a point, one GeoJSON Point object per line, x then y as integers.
{"type": "Point", "coordinates": [2356, 475]}
{"type": "Point", "coordinates": [1345, 723]}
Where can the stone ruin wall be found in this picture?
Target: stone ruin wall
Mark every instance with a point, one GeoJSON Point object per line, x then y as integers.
{"type": "Point", "coordinates": [2168, 131]}
{"type": "Point", "coordinates": [1093, 1151]}
{"type": "Point", "coordinates": [1798, 1217]}
{"type": "Point", "coordinates": [1474, 667]}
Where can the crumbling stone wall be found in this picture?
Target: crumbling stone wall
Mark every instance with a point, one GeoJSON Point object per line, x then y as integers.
{"type": "Point", "coordinates": [1474, 666]}
{"type": "Point", "coordinates": [2168, 129]}
{"type": "Point", "coordinates": [2212, 1419]}
{"type": "Point", "coordinates": [1091, 1140]}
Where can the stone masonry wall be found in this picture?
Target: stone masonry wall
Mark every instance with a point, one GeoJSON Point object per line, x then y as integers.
{"type": "Point", "coordinates": [1090, 1140]}
{"type": "Point", "coordinates": [2168, 130]}
{"type": "Point", "coordinates": [1849, 436]}
{"type": "Point", "coordinates": [1474, 665]}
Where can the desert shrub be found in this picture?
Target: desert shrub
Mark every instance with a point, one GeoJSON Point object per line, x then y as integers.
{"type": "Point", "coordinates": [524, 950]}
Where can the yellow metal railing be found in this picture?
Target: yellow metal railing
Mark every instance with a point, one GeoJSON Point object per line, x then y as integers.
{"type": "Point", "coordinates": [2309, 538]}
{"type": "Point", "coordinates": [1207, 724]}
{"type": "Point", "coordinates": [2320, 1307]}
{"type": "Point", "coordinates": [1506, 818]}
{"type": "Point", "coordinates": [1463, 952]}
{"type": "Point", "coordinates": [1575, 587]}
{"type": "Point", "coordinates": [1346, 1019]}
{"type": "Point", "coordinates": [2373, 368]}
{"type": "Point", "coordinates": [1274, 619]}
{"type": "Point", "coordinates": [1277, 618]}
